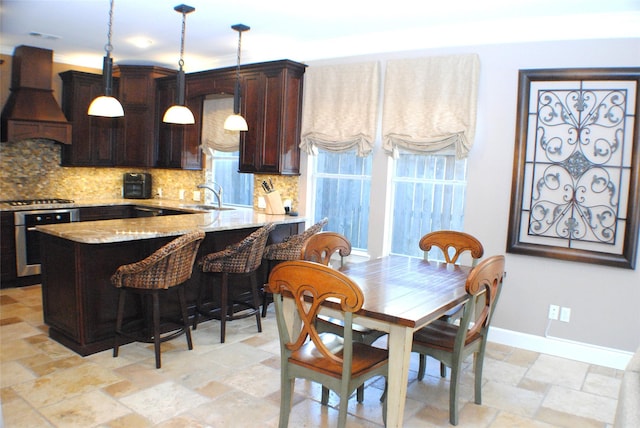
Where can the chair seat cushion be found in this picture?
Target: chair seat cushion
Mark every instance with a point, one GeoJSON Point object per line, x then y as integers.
{"type": "Point", "coordinates": [365, 357]}
{"type": "Point", "coordinates": [439, 334]}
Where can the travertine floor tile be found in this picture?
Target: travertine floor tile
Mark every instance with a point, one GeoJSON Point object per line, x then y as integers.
{"type": "Point", "coordinates": [580, 403]}
{"type": "Point", "coordinates": [236, 384]}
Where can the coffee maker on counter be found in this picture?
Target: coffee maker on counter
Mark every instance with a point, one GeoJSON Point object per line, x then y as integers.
{"type": "Point", "coordinates": [136, 185]}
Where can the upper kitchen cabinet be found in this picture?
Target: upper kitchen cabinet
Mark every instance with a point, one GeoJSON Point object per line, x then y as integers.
{"type": "Point", "coordinates": [136, 142]}
{"type": "Point", "coordinates": [94, 137]}
{"type": "Point", "coordinates": [178, 145]}
{"type": "Point", "coordinates": [272, 106]}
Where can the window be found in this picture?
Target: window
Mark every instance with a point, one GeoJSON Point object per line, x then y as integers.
{"type": "Point", "coordinates": [237, 188]}
{"type": "Point", "coordinates": [429, 194]}
{"type": "Point", "coordinates": [342, 183]}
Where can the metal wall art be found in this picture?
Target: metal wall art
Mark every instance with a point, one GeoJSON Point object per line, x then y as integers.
{"type": "Point", "coordinates": [576, 167]}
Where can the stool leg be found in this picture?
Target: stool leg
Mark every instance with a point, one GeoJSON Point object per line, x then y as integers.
{"type": "Point", "coordinates": [116, 340]}
{"type": "Point", "coordinates": [156, 326]}
{"type": "Point", "coordinates": [196, 317]}
{"type": "Point", "coordinates": [185, 318]}
{"type": "Point", "coordinates": [256, 299]}
{"type": "Point", "coordinates": [224, 303]}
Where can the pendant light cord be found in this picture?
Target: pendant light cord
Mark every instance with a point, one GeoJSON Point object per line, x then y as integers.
{"type": "Point", "coordinates": [238, 55]}
{"type": "Point", "coordinates": [109, 47]}
{"type": "Point", "coordinates": [184, 26]}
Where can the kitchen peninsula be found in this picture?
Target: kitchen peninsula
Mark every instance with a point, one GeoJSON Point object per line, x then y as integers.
{"type": "Point", "coordinates": [78, 259]}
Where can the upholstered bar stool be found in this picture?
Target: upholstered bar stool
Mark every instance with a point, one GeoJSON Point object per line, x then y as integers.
{"type": "Point", "coordinates": [237, 260]}
{"type": "Point", "coordinates": [289, 249]}
{"type": "Point", "coordinates": [167, 268]}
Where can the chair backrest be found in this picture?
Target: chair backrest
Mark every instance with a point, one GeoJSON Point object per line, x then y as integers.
{"type": "Point", "coordinates": [483, 284]}
{"type": "Point", "coordinates": [289, 249]}
{"type": "Point", "coordinates": [170, 265]}
{"type": "Point", "coordinates": [452, 244]}
{"type": "Point", "coordinates": [320, 247]}
{"type": "Point", "coordinates": [310, 285]}
{"type": "Point", "coordinates": [245, 256]}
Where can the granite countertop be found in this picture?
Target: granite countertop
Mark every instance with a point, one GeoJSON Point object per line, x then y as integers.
{"type": "Point", "coordinates": [109, 231]}
{"type": "Point", "coordinates": [77, 203]}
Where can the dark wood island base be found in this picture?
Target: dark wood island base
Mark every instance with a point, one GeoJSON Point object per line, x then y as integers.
{"type": "Point", "coordinates": [79, 301]}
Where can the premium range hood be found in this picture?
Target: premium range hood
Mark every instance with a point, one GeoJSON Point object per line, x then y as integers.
{"type": "Point", "coordinates": [31, 110]}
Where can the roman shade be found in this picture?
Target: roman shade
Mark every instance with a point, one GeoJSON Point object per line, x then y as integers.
{"type": "Point", "coordinates": [340, 108]}
{"type": "Point", "coordinates": [430, 104]}
{"type": "Point", "coordinates": [214, 136]}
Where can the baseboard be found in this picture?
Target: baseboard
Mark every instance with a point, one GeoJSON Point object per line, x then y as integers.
{"type": "Point", "coordinates": [584, 352]}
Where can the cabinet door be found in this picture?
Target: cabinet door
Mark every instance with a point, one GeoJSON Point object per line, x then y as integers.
{"type": "Point", "coordinates": [251, 141]}
{"type": "Point", "coordinates": [93, 142]}
{"type": "Point", "coordinates": [272, 104]}
{"type": "Point", "coordinates": [178, 145]}
{"type": "Point", "coordinates": [136, 146]}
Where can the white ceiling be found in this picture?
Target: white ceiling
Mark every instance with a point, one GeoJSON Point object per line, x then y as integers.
{"type": "Point", "coordinates": [297, 29]}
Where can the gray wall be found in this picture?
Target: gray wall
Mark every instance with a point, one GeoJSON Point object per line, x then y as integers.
{"type": "Point", "coordinates": [603, 300]}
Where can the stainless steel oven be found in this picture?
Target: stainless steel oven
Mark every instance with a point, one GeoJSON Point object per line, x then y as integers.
{"type": "Point", "coordinates": [28, 239]}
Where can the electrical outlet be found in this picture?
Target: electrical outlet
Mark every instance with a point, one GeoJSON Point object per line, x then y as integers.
{"type": "Point", "coordinates": [565, 314]}
{"type": "Point", "coordinates": [554, 311]}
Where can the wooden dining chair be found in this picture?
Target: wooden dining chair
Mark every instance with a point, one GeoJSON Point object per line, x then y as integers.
{"type": "Point", "coordinates": [452, 244]}
{"type": "Point", "coordinates": [168, 268]}
{"type": "Point", "coordinates": [288, 249]}
{"type": "Point", "coordinates": [451, 343]}
{"type": "Point", "coordinates": [339, 363]}
{"type": "Point", "coordinates": [237, 260]}
{"type": "Point", "coordinates": [320, 248]}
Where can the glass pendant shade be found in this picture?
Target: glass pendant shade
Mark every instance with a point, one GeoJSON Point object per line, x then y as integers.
{"type": "Point", "coordinates": [106, 106]}
{"type": "Point", "coordinates": [180, 115]}
{"type": "Point", "coordinates": [235, 122]}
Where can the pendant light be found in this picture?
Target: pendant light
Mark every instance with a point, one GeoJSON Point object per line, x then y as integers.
{"type": "Point", "coordinates": [107, 105]}
{"type": "Point", "coordinates": [179, 113]}
{"type": "Point", "coordinates": [236, 122]}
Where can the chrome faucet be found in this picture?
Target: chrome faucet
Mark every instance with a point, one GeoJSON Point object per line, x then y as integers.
{"type": "Point", "coordinates": [217, 194]}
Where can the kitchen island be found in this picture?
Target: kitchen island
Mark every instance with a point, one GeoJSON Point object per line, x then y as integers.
{"type": "Point", "coordinates": [78, 259]}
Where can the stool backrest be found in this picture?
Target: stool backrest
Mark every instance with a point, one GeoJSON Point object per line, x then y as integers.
{"type": "Point", "coordinates": [170, 265]}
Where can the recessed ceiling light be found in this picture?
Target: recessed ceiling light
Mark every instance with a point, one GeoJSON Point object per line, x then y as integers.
{"type": "Point", "coordinates": [140, 42]}
{"type": "Point", "coordinates": [44, 35]}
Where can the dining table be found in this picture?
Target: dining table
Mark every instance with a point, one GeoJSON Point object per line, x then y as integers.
{"type": "Point", "coordinates": [401, 295]}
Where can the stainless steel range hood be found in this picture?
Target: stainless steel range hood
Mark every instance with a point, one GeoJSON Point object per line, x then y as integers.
{"type": "Point", "coordinates": [31, 110]}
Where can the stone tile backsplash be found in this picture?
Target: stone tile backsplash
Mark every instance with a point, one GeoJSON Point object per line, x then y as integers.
{"type": "Point", "coordinates": [31, 169]}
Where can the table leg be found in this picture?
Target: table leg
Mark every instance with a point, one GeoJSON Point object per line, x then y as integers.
{"type": "Point", "coordinates": [399, 341]}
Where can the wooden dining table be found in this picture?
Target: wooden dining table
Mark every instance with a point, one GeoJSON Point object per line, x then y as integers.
{"type": "Point", "coordinates": [401, 295]}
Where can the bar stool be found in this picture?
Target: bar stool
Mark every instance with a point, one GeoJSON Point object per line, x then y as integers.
{"type": "Point", "coordinates": [167, 268]}
{"type": "Point", "coordinates": [289, 249]}
{"type": "Point", "coordinates": [238, 260]}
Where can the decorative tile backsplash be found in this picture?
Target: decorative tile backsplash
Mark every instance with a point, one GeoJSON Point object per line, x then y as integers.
{"type": "Point", "coordinates": [31, 169]}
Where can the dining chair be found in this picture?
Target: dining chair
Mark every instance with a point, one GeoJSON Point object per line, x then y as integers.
{"type": "Point", "coordinates": [320, 248]}
{"type": "Point", "coordinates": [338, 363]}
{"type": "Point", "coordinates": [168, 268]}
{"type": "Point", "coordinates": [452, 244]}
{"type": "Point", "coordinates": [452, 344]}
{"type": "Point", "coordinates": [288, 249]}
{"type": "Point", "coordinates": [242, 259]}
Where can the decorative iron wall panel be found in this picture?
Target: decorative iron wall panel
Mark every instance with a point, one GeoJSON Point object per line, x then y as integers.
{"type": "Point", "coordinates": [576, 181]}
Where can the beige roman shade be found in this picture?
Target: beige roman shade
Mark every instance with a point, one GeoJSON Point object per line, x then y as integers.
{"type": "Point", "coordinates": [430, 104]}
{"type": "Point", "coordinates": [340, 107]}
{"type": "Point", "coordinates": [214, 136]}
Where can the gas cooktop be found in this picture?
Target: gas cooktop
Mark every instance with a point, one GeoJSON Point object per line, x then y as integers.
{"type": "Point", "coordinates": [42, 201]}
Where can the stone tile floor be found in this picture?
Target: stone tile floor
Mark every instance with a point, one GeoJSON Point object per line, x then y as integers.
{"type": "Point", "coordinates": [236, 384]}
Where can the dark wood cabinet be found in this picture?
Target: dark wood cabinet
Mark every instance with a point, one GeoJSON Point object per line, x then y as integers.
{"type": "Point", "coordinates": [272, 105]}
{"type": "Point", "coordinates": [136, 144]}
{"type": "Point", "coordinates": [94, 138]}
{"type": "Point", "coordinates": [178, 145]}
{"type": "Point", "coordinates": [106, 212]}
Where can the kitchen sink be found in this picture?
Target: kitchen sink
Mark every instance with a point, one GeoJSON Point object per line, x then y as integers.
{"type": "Point", "coordinates": [207, 207]}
